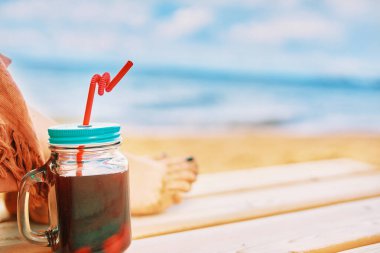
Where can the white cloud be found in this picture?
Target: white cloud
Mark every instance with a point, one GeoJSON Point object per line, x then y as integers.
{"type": "Point", "coordinates": [118, 12]}
{"type": "Point", "coordinates": [185, 22]}
{"type": "Point", "coordinates": [301, 27]}
{"type": "Point", "coordinates": [113, 30]}
{"type": "Point", "coordinates": [56, 29]}
{"type": "Point", "coordinates": [215, 4]}
{"type": "Point", "coordinates": [106, 12]}
{"type": "Point", "coordinates": [21, 39]}
{"type": "Point", "coordinates": [352, 8]}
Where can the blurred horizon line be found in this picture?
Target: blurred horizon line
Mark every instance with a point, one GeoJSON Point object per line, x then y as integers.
{"type": "Point", "coordinates": [210, 74]}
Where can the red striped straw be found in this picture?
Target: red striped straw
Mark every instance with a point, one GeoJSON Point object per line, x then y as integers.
{"type": "Point", "coordinates": [104, 84]}
{"type": "Point", "coordinates": [79, 160]}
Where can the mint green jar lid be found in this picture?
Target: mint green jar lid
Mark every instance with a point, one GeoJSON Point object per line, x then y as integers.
{"type": "Point", "coordinates": [76, 134]}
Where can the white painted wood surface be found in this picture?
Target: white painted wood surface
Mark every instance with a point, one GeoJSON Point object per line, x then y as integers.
{"type": "Point", "coordinates": [255, 178]}
{"type": "Point", "coordinates": [326, 229]}
{"type": "Point", "coordinates": [236, 206]}
{"type": "Point", "coordinates": [227, 197]}
{"type": "Point", "coordinates": [373, 248]}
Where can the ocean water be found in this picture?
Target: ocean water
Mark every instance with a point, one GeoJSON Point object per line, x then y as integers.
{"type": "Point", "coordinates": [188, 99]}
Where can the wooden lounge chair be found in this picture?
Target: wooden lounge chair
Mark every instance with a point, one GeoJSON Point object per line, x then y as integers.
{"type": "Point", "coordinates": [323, 206]}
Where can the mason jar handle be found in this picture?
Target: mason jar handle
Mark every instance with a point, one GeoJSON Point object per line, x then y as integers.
{"type": "Point", "coordinates": [27, 182]}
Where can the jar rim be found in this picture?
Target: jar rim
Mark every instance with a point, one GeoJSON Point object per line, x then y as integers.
{"type": "Point", "coordinates": [85, 146]}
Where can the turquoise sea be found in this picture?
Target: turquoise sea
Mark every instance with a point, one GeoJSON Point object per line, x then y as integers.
{"type": "Point", "coordinates": [196, 99]}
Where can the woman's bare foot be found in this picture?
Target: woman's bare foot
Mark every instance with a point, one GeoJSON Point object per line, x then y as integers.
{"type": "Point", "coordinates": [155, 186]}
{"type": "Point", "coordinates": [158, 184]}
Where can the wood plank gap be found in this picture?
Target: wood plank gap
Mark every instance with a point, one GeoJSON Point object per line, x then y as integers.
{"type": "Point", "coordinates": [247, 218]}
{"type": "Point", "coordinates": [274, 175]}
{"type": "Point", "coordinates": [285, 184]}
{"type": "Point", "coordinates": [326, 229]}
{"type": "Point", "coordinates": [217, 210]}
{"type": "Point", "coordinates": [370, 248]}
{"type": "Point", "coordinates": [359, 242]}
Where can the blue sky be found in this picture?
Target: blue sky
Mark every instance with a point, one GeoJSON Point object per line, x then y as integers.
{"type": "Point", "coordinates": [332, 37]}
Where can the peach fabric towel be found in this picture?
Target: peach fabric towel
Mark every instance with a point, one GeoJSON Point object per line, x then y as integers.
{"type": "Point", "coordinates": [19, 148]}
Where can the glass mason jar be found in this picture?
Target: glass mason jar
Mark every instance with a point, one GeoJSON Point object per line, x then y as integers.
{"type": "Point", "coordinates": [87, 179]}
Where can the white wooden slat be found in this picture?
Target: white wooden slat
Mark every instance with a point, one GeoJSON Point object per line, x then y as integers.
{"type": "Point", "coordinates": [24, 247]}
{"type": "Point", "coordinates": [275, 175]}
{"type": "Point", "coordinates": [326, 229]}
{"type": "Point", "coordinates": [4, 214]}
{"type": "Point", "coordinates": [265, 203]}
{"type": "Point", "coordinates": [221, 209]}
{"type": "Point", "coordinates": [373, 248]}
{"type": "Point", "coordinates": [255, 178]}
{"type": "Point", "coordinates": [236, 206]}
{"type": "Point", "coordinates": [9, 234]}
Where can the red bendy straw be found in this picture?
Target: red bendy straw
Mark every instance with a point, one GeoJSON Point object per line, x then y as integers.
{"type": "Point", "coordinates": [79, 160]}
{"type": "Point", "coordinates": [104, 84]}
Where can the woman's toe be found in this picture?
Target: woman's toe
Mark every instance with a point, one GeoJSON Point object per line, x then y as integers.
{"type": "Point", "coordinates": [179, 164]}
{"type": "Point", "coordinates": [177, 185]}
{"type": "Point", "coordinates": [184, 175]}
{"type": "Point", "coordinates": [177, 197]}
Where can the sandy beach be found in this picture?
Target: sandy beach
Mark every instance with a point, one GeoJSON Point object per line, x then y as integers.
{"type": "Point", "coordinates": [246, 150]}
